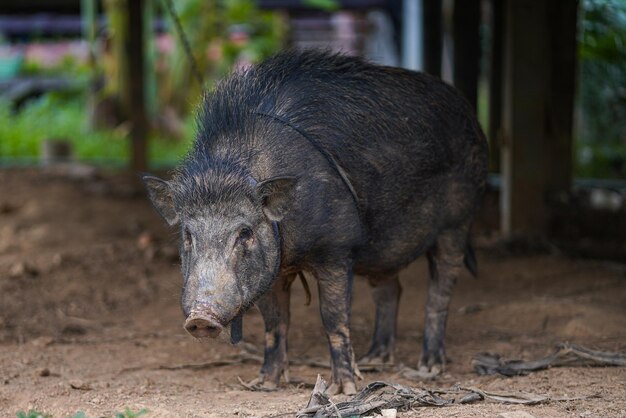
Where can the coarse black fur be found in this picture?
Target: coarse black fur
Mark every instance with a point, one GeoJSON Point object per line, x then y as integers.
{"type": "Point", "coordinates": [408, 145]}
{"type": "Point", "coordinates": [377, 127]}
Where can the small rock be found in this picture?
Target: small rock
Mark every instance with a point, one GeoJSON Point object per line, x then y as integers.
{"type": "Point", "coordinates": [45, 372]}
{"type": "Point", "coordinates": [79, 385]}
{"type": "Point", "coordinates": [23, 269]}
{"type": "Point", "coordinates": [515, 414]}
{"type": "Point", "coordinates": [58, 259]}
{"type": "Point", "coordinates": [388, 413]}
{"type": "Point", "coordinates": [145, 240]}
{"type": "Point", "coordinates": [41, 342]}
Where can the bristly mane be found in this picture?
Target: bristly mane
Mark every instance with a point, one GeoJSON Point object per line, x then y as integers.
{"type": "Point", "coordinates": [201, 182]}
{"type": "Point", "coordinates": [306, 89]}
{"type": "Point", "coordinates": [228, 121]}
{"type": "Point", "coordinates": [279, 85]}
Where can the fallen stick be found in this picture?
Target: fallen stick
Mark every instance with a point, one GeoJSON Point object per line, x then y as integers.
{"type": "Point", "coordinates": [386, 395]}
{"type": "Point", "coordinates": [565, 355]}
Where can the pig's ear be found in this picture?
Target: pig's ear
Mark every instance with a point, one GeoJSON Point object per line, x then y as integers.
{"type": "Point", "coordinates": [277, 195]}
{"type": "Point", "coordinates": [160, 194]}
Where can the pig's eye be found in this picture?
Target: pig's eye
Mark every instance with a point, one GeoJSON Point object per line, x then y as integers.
{"type": "Point", "coordinates": [187, 240]}
{"type": "Point", "coordinates": [245, 236]}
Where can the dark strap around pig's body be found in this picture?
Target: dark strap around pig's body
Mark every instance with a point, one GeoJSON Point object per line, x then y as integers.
{"type": "Point", "coordinates": [329, 158]}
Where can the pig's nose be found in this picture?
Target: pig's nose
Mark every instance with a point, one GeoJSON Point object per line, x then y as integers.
{"type": "Point", "coordinates": [201, 326]}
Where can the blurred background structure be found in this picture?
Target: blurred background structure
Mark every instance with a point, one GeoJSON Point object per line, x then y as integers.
{"type": "Point", "coordinates": [93, 92]}
{"type": "Point", "coordinates": [112, 83]}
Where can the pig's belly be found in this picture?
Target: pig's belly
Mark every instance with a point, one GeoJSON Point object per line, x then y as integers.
{"type": "Point", "coordinates": [398, 239]}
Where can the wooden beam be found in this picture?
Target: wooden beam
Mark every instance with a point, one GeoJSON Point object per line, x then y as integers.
{"type": "Point", "coordinates": [150, 80]}
{"type": "Point", "coordinates": [525, 78]}
{"type": "Point", "coordinates": [432, 21]}
{"type": "Point", "coordinates": [136, 61]}
{"type": "Point", "coordinates": [563, 17]}
{"type": "Point", "coordinates": [495, 84]}
{"type": "Point", "coordinates": [538, 101]}
{"type": "Point", "coordinates": [465, 33]}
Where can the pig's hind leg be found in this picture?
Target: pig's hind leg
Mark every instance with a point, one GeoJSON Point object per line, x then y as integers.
{"type": "Point", "coordinates": [386, 293]}
{"type": "Point", "coordinates": [445, 262]}
{"type": "Point", "coordinates": [274, 307]}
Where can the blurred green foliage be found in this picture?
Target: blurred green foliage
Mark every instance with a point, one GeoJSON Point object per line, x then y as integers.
{"type": "Point", "coordinates": [329, 5]}
{"type": "Point", "coordinates": [68, 64]}
{"type": "Point", "coordinates": [222, 35]}
{"type": "Point", "coordinates": [233, 33]}
{"type": "Point", "coordinates": [54, 116]}
{"type": "Point", "coordinates": [601, 142]}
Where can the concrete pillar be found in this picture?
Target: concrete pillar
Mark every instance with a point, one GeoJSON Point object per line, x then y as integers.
{"type": "Point", "coordinates": [412, 34]}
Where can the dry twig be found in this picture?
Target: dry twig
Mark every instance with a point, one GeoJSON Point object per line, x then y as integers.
{"type": "Point", "coordinates": [384, 395]}
{"type": "Point", "coordinates": [565, 355]}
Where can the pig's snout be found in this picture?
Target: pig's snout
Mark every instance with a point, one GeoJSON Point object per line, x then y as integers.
{"type": "Point", "coordinates": [202, 325]}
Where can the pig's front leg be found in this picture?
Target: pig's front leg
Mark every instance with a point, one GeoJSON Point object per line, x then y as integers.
{"type": "Point", "coordinates": [335, 292]}
{"type": "Point", "coordinates": [274, 307]}
{"type": "Point", "coordinates": [386, 292]}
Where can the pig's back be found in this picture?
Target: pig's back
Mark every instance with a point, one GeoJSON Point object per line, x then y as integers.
{"type": "Point", "coordinates": [409, 143]}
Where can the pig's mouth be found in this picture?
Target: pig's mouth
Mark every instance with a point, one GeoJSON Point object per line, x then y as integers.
{"type": "Point", "coordinates": [204, 324]}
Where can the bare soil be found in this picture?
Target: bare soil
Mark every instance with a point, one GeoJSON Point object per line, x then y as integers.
{"type": "Point", "coordinates": [90, 321]}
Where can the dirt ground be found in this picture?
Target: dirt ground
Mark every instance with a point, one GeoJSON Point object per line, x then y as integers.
{"type": "Point", "coordinates": [90, 321]}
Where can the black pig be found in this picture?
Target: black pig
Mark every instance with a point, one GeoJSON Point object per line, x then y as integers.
{"type": "Point", "coordinates": [324, 163]}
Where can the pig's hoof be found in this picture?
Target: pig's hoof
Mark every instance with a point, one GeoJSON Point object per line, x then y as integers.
{"type": "Point", "coordinates": [347, 388]}
{"type": "Point", "coordinates": [431, 366]}
{"type": "Point", "coordinates": [429, 373]}
{"type": "Point", "coordinates": [378, 357]}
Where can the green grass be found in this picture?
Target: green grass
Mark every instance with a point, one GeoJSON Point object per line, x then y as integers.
{"type": "Point", "coordinates": [128, 413]}
{"type": "Point", "coordinates": [32, 414]}
{"type": "Point", "coordinates": [53, 117]}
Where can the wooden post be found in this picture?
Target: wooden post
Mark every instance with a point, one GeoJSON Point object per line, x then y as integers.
{"type": "Point", "coordinates": [136, 62]}
{"type": "Point", "coordinates": [524, 157]}
{"type": "Point", "coordinates": [150, 87]}
{"type": "Point", "coordinates": [465, 33]}
{"type": "Point", "coordinates": [89, 28]}
{"type": "Point", "coordinates": [88, 23]}
{"type": "Point", "coordinates": [538, 101]}
{"type": "Point", "coordinates": [563, 17]}
{"type": "Point", "coordinates": [118, 67]}
{"type": "Point", "coordinates": [495, 84]}
{"type": "Point", "coordinates": [432, 21]}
